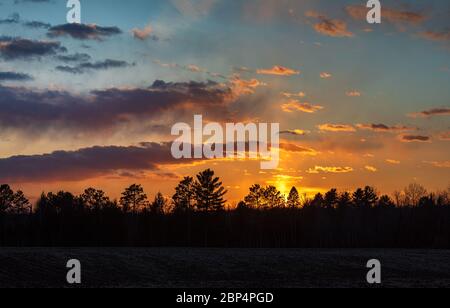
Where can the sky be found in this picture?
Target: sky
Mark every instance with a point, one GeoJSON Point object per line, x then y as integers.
{"type": "Point", "coordinates": [93, 104]}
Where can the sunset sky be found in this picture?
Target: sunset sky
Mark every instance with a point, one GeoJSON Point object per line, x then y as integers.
{"type": "Point", "coordinates": [93, 104]}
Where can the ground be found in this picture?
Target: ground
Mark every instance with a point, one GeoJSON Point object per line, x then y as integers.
{"type": "Point", "coordinates": [223, 268]}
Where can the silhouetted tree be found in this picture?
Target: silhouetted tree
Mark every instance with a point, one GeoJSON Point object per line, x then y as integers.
{"type": "Point", "coordinates": [94, 199]}
{"type": "Point", "coordinates": [255, 197]}
{"type": "Point", "coordinates": [370, 197]}
{"type": "Point", "coordinates": [317, 202]}
{"type": "Point", "coordinates": [158, 205]}
{"type": "Point", "coordinates": [209, 192]}
{"type": "Point", "coordinates": [385, 202]}
{"type": "Point", "coordinates": [6, 198]}
{"type": "Point", "coordinates": [20, 204]}
{"type": "Point", "coordinates": [344, 201]}
{"type": "Point", "coordinates": [331, 199]}
{"type": "Point", "coordinates": [184, 196]}
{"type": "Point", "coordinates": [414, 192]}
{"type": "Point", "coordinates": [293, 200]}
{"type": "Point", "coordinates": [133, 199]}
{"type": "Point", "coordinates": [273, 198]}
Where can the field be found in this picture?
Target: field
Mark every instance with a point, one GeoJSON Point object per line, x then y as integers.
{"type": "Point", "coordinates": [224, 268]}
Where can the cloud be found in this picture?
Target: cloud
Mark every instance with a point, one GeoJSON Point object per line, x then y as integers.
{"type": "Point", "coordinates": [77, 57]}
{"type": "Point", "coordinates": [353, 93]}
{"type": "Point", "coordinates": [290, 147]}
{"type": "Point", "coordinates": [278, 70]}
{"type": "Point", "coordinates": [15, 19]}
{"type": "Point", "coordinates": [295, 105]}
{"type": "Point", "coordinates": [37, 25]}
{"type": "Point", "coordinates": [430, 113]}
{"type": "Point", "coordinates": [371, 168]}
{"type": "Point", "coordinates": [12, 19]}
{"type": "Point", "coordinates": [439, 164]}
{"type": "Point", "coordinates": [415, 138]}
{"type": "Point", "coordinates": [435, 36]}
{"type": "Point", "coordinates": [336, 128]}
{"type": "Point", "coordinates": [83, 32]}
{"type": "Point", "coordinates": [18, 48]}
{"type": "Point", "coordinates": [88, 66]}
{"type": "Point", "coordinates": [393, 161]}
{"type": "Point", "coordinates": [84, 163]}
{"type": "Point", "coordinates": [191, 68]}
{"type": "Point", "coordinates": [290, 95]}
{"type": "Point", "coordinates": [295, 132]}
{"type": "Point", "coordinates": [445, 136]}
{"type": "Point", "coordinates": [320, 169]}
{"type": "Point", "coordinates": [13, 76]}
{"type": "Point", "coordinates": [329, 27]}
{"type": "Point", "coordinates": [359, 12]}
{"type": "Point", "coordinates": [242, 86]}
{"type": "Point", "coordinates": [385, 128]}
{"type": "Point", "coordinates": [325, 75]}
{"type": "Point", "coordinates": [144, 34]}
{"type": "Point", "coordinates": [103, 110]}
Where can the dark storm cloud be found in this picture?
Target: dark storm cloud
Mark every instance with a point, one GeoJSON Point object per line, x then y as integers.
{"type": "Point", "coordinates": [24, 109]}
{"type": "Point", "coordinates": [83, 32]}
{"type": "Point", "coordinates": [87, 66]}
{"type": "Point", "coordinates": [84, 163]}
{"type": "Point", "coordinates": [18, 48]}
{"type": "Point", "coordinates": [13, 76]}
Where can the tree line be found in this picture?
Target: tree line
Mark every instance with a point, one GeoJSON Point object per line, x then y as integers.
{"type": "Point", "coordinates": [197, 215]}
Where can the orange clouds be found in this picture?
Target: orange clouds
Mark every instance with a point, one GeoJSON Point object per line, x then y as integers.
{"type": "Point", "coordinates": [278, 70]}
{"type": "Point", "coordinates": [385, 128]}
{"type": "Point", "coordinates": [295, 132]}
{"type": "Point", "coordinates": [291, 147]}
{"type": "Point", "coordinates": [295, 105]}
{"type": "Point", "coordinates": [329, 27]}
{"type": "Point", "coordinates": [241, 86]}
{"type": "Point", "coordinates": [336, 128]}
{"type": "Point", "coordinates": [437, 164]}
{"type": "Point", "coordinates": [393, 161]}
{"type": "Point", "coordinates": [290, 95]}
{"type": "Point", "coordinates": [359, 12]}
{"type": "Point", "coordinates": [320, 169]}
{"type": "Point", "coordinates": [371, 168]}
{"type": "Point", "coordinates": [431, 112]}
{"type": "Point", "coordinates": [142, 34]}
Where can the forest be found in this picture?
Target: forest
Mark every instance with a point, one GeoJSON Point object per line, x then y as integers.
{"type": "Point", "coordinates": [198, 215]}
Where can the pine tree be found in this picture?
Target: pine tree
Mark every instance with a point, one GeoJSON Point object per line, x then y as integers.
{"type": "Point", "coordinates": [94, 199]}
{"type": "Point", "coordinates": [331, 199]}
{"type": "Point", "coordinates": [255, 197]}
{"type": "Point", "coordinates": [158, 205]}
{"type": "Point", "coordinates": [293, 200]}
{"type": "Point", "coordinates": [6, 198]}
{"type": "Point", "coordinates": [273, 198]}
{"type": "Point", "coordinates": [133, 199]}
{"type": "Point", "coordinates": [209, 192]}
{"type": "Point", "coordinates": [184, 195]}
